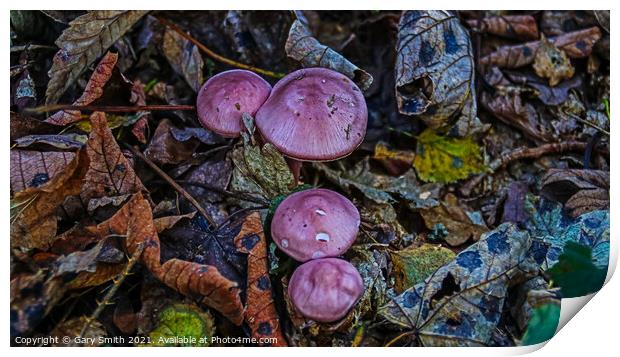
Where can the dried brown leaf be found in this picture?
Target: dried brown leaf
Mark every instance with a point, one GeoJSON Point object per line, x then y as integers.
{"type": "Point", "coordinates": [260, 314]}
{"type": "Point", "coordinates": [73, 328]}
{"type": "Point", "coordinates": [521, 27]}
{"type": "Point", "coordinates": [577, 44]}
{"type": "Point", "coordinates": [22, 125]}
{"type": "Point", "coordinates": [94, 89]}
{"type": "Point", "coordinates": [163, 223]}
{"type": "Point", "coordinates": [35, 168]}
{"type": "Point", "coordinates": [184, 57]}
{"type": "Point", "coordinates": [86, 38]}
{"type": "Point", "coordinates": [581, 191]}
{"type": "Point", "coordinates": [110, 173]}
{"type": "Point", "coordinates": [165, 149]}
{"type": "Point", "coordinates": [33, 210]}
{"type": "Point", "coordinates": [552, 63]}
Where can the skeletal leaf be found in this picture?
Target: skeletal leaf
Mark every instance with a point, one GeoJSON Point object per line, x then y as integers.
{"type": "Point", "coordinates": [542, 325]}
{"type": "Point", "coordinates": [413, 264]}
{"type": "Point", "coordinates": [461, 303]}
{"type": "Point", "coordinates": [435, 72]}
{"type": "Point", "coordinates": [183, 321]}
{"type": "Point", "coordinates": [93, 90]}
{"type": "Point", "coordinates": [303, 47]}
{"type": "Point", "coordinates": [86, 38]}
{"type": "Point", "coordinates": [445, 160]}
{"type": "Point", "coordinates": [575, 273]}
{"type": "Point", "coordinates": [184, 57]}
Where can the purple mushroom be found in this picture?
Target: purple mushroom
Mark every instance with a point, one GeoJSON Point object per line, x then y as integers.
{"type": "Point", "coordinates": [315, 223]}
{"type": "Point", "coordinates": [326, 289]}
{"type": "Point", "coordinates": [314, 114]}
{"type": "Point", "coordinates": [225, 96]}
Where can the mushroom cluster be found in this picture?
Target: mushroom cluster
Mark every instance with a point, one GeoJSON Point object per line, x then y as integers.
{"type": "Point", "coordinates": [315, 226]}
{"type": "Point", "coordinates": [313, 114]}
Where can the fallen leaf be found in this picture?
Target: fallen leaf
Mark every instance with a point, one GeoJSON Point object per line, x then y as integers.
{"type": "Point", "coordinates": [303, 47]}
{"type": "Point", "coordinates": [22, 125]}
{"type": "Point", "coordinates": [35, 168]}
{"type": "Point", "coordinates": [555, 95]}
{"type": "Point", "coordinates": [163, 223]}
{"type": "Point", "coordinates": [33, 210]}
{"type": "Point", "coordinates": [514, 205]}
{"type": "Point", "coordinates": [461, 303]}
{"type": "Point", "coordinates": [260, 313]}
{"type": "Point", "coordinates": [110, 173]}
{"type": "Point", "coordinates": [577, 44]}
{"type": "Point", "coordinates": [124, 317]}
{"type": "Point", "coordinates": [86, 38]}
{"type": "Point", "coordinates": [435, 72]}
{"type": "Point", "coordinates": [94, 89]}
{"type": "Point", "coordinates": [461, 224]}
{"type": "Point", "coordinates": [521, 27]}
{"type": "Point", "coordinates": [542, 325]}
{"type": "Point", "coordinates": [575, 273]}
{"type": "Point", "coordinates": [58, 141]}
{"type": "Point", "coordinates": [581, 191]}
{"type": "Point", "coordinates": [165, 149]}
{"type": "Point", "coordinates": [182, 321]}
{"type": "Point", "coordinates": [72, 328]}
{"type": "Point", "coordinates": [184, 57]}
{"type": "Point", "coordinates": [552, 63]}
{"type": "Point", "coordinates": [396, 162]}
{"type": "Point", "coordinates": [444, 159]}
{"type": "Point", "coordinates": [412, 265]}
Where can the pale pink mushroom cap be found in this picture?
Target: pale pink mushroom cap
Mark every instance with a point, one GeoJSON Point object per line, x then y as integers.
{"type": "Point", "coordinates": [314, 114]}
{"type": "Point", "coordinates": [326, 289]}
{"type": "Point", "coordinates": [315, 223]}
{"type": "Point", "coordinates": [225, 96]}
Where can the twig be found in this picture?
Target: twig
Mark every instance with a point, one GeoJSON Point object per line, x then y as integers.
{"type": "Point", "coordinates": [173, 183]}
{"type": "Point", "coordinates": [587, 122]}
{"type": "Point", "coordinates": [236, 194]}
{"type": "Point", "coordinates": [214, 55]}
{"type": "Point", "coordinates": [236, 213]}
{"type": "Point", "coordinates": [523, 153]}
{"type": "Point", "coordinates": [116, 284]}
{"type": "Point", "coordinates": [108, 108]}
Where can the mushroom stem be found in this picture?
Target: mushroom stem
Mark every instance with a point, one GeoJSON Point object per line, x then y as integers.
{"type": "Point", "coordinates": [295, 166]}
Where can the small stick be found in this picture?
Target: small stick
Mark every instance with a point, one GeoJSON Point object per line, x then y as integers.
{"type": "Point", "coordinates": [173, 183]}
{"type": "Point", "coordinates": [214, 55]}
{"type": "Point", "coordinates": [116, 284]}
{"type": "Point", "coordinates": [108, 108]}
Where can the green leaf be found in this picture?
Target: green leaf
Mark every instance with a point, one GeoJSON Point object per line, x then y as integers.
{"type": "Point", "coordinates": [412, 265]}
{"type": "Point", "coordinates": [183, 325]}
{"type": "Point", "coordinates": [575, 272]}
{"type": "Point", "coordinates": [542, 324]}
{"type": "Point", "coordinates": [446, 160]}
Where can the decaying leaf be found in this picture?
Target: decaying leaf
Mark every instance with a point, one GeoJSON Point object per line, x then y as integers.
{"type": "Point", "coordinates": [35, 168]}
{"type": "Point", "coordinates": [581, 191]}
{"type": "Point", "coordinates": [86, 38]}
{"type": "Point", "coordinates": [94, 89]}
{"type": "Point", "coordinates": [396, 162]}
{"type": "Point", "coordinates": [461, 303]}
{"type": "Point", "coordinates": [110, 173]}
{"type": "Point", "coordinates": [33, 210]}
{"type": "Point", "coordinates": [165, 149]}
{"type": "Point", "coordinates": [413, 264]}
{"type": "Point", "coordinates": [446, 160]}
{"type": "Point", "coordinates": [461, 225]}
{"type": "Point", "coordinates": [70, 141]}
{"type": "Point", "coordinates": [260, 313]}
{"type": "Point", "coordinates": [163, 223]}
{"type": "Point", "coordinates": [22, 125]}
{"type": "Point", "coordinates": [303, 47]}
{"type": "Point", "coordinates": [522, 27]}
{"type": "Point", "coordinates": [577, 44]}
{"type": "Point", "coordinates": [184, 57]}
{"type": "Point", "coordinates": [73, 327]}
{"type": "Point", "coordinates": [551, 230]}
{"type": "Point", "coordinates": [552, 63]}
{"type": "Point", "coordinates": [183, 325]}
{"type": "Point", "coordinates": [435, 72]}
{"type": "Point", "coordinates": [542, 325]}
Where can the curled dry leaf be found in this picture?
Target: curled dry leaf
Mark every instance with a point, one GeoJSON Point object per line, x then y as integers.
{"type": "Point", "coordinates": [165, 149]}
{"type": "Point", "coordinates": [86, 38]}
{"type": "Point", "coordinates": [435, 72]}
{"type": "Point", "coordinates": [35, 168]}
{"type": "Point", "coordinates": [33, 210]}
{"type": "Point", "coordinates": [163, 223]}
{"type": "Point", "coordinates": [110, 173]}
{"type": "Point", "coordinates": [303, 47]}
{"type": "Point", "coordinates": [552, 63]}
{"type": "Point", "coordinates": [581, 191]}
{"type": "Point", "coordinates": [260, 314]}
{"type": "Point", "coordinates": [461, 303]}
{"type": "Point", "coordinates": [577, 44]}
{"type": "Point", "coordinates": [93, 91]}
{"type": "Point", "coordinates": [521, 27]}
{"type": "Point", "coordinates": [461, 224]}
{"type": "Point", "coordinates": [184, 57]}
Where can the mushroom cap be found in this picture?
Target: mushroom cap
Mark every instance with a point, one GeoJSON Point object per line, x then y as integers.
{"type": "Point", "coordinates": [326, 289]}
{"type": "Point", "coordinates": [315, 223]}
{"type": "Point", "coordinates": [314, 114]}
{"type": "Point", "coordinates": [225, 96]}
